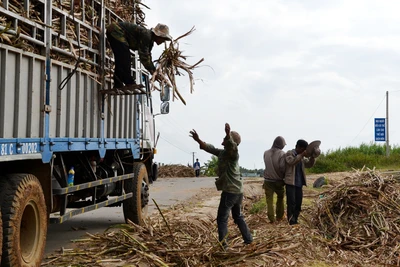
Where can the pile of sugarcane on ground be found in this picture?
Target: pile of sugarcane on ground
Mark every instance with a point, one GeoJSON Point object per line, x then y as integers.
{"type": "Point", "coordinates": [342, 229]}
{"type": "Point", "coordinates": [175, 170]}
{"type": "Point", "coordinates": [362, 214]}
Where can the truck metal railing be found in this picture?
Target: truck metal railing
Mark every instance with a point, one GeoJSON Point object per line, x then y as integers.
{"type": "Point", "coordinates": [75, 30]}
{"type": "Point", "coordinates": [74, 212]}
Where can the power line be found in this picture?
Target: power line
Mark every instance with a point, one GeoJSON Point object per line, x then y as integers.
{"type": "Point", "coordinates": [180, 130]}
{"type": "Point", "coordinates": [174, 145]}
{"type": "Point", "coordinates": [170, 125]}
{"type": "Point", "coordinates": [369, 119]}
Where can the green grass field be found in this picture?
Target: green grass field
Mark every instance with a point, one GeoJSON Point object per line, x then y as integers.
{"type": "Point", "coordinates": [349, 158]}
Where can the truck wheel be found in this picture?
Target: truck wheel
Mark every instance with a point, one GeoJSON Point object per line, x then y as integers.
{"type": "Point", "coordinates": [24, 221]}
{"type": "Point", "coordinates": [135, 208]}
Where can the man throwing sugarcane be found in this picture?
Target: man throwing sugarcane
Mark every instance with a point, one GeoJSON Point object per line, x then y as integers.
{"type": "Point", "coordinates": [229, 182]}
{"type": "Point", "coordinates": [124, 36]}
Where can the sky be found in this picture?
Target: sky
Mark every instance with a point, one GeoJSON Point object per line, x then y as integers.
{"type": "Point", "coordinates": [301, 69]}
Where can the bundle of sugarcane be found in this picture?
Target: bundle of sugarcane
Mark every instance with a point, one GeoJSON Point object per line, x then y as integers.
{"type": "Point", "coordinates": [81, 10]}
{"type": "Point", "coordinates": [4, 36]}
{"type": "Point", "coordinates": [140, 16]}
{"type": "Point", "coordinates": [172, 62]}
{"type": "Point", "coordinates": [18, 7]}
{"type": "Point", "coordinates": [128, 10]}
{"type": "Point", "coordinates": [15, 40]}
{"type": "Point", "coordinates": [7, 22]}
{"type": "Point", "coordinates": [362, 213]}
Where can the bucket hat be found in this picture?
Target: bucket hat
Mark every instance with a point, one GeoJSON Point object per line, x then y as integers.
{"type": "Point", "coordinates": [313, 148]}
{"type": "Point", "coordinates": [162, 30]}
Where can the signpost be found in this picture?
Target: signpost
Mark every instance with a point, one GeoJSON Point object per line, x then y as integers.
{"type": "Point", "coordinates": [380, 129]}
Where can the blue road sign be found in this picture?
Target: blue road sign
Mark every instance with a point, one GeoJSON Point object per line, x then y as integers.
{"type": "Point", "coordinates": [380, 129]}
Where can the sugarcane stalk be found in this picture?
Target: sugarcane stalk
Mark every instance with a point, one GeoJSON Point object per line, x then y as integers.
{"type": "Point", "coordinates": [108, 250]}
{"type": "Point", "coordinates": [162, 215]}
{"type": "Point", "coordinates": [133, 239]}
{"type": "Point", "coordinates": [109, 260]}
{"type": "Point", "coordinates": [50, 261]}
{"type": "Point", "coordinates": [81, 240]}
{"type": "Point", "coordinates": [156, 259]}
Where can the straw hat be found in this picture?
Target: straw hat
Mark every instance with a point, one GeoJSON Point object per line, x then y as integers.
{"type": "Point", "coordinates": [313, 149]}
{"type": "Point", "coordinates": [162, 30]}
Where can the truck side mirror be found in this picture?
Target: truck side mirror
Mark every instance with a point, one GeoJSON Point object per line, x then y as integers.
{"type": "Point", "coordinates": [165, 94]}
{"type": "Point", "coordinates": [164, 109]}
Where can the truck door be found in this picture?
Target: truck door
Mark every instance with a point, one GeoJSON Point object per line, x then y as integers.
{"type": "Point", "coordinates": [147, 118]}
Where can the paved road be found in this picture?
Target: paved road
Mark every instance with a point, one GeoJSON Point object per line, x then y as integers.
{"type": "Point", "coordinates": [165, 191]}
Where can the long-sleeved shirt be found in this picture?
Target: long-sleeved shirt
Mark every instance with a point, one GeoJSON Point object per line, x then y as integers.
{"type": "Point", "coordinates": [228, 171]}
{"type": "Point", "coordinates": [137, 38]}
{"type": "Point", "coordinates": [274, 160]}
{"type": "Point", "coordinates": [292, 159]}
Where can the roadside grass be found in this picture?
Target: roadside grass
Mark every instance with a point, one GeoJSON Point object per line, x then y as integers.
{"type": "Point", "coordinates": [349, 158]}
{"type": "Point", "coordinates": [259, 206]}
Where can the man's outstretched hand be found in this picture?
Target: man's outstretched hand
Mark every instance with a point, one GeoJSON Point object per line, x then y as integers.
{"type": "Point", "coordinates": [194, 135]}
{"type": "Point", "coordinates": [227, 129]}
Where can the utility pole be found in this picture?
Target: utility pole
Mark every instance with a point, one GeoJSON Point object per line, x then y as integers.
{"type": "Point", "coordinates": [193, 158]}
{"type": "Point", "coordinates": [387, 124]}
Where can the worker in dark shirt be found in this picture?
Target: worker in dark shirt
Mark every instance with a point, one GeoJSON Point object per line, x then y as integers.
{"type": "Point", "coordinates": [124, 36]}
{"type": "Point", "coordinates": [295, 178]}
{"type": "Point", "coordinates": [229, 182]}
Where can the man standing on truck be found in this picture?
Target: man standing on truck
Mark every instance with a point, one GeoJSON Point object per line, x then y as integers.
{"type": "Point", "coordinates": [229, 182]}
{"type": "Point", "coordinates": [124, 36]}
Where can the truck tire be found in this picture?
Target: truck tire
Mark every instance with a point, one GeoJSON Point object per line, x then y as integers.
{"type": "Point", "coordinates": [24, 221]}
{"type": "Point", "coordinates": [3, 187]}
{"type": "Point", "coordinates": [135, 208]}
